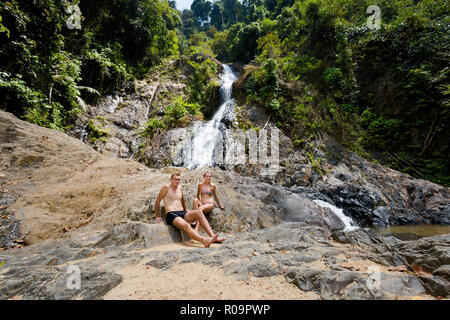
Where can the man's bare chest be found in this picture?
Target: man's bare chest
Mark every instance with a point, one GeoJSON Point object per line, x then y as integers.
{"type": "Point", "coordinates": [173, 195]}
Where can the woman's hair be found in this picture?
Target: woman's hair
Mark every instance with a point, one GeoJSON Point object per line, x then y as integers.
{"type": "Point", "coordinates": [207, 173]}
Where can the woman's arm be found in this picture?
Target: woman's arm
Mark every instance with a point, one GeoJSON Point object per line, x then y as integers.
{"type": "Point", "coordinates": [198, 192]}
{"type": "Point", "coordinates": [213, 187]}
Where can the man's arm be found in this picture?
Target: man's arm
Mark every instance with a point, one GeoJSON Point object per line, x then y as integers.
{"type": "Point", "coordinates": [183, 203]}
{"type": "Point", "coordinates": [161, 195]}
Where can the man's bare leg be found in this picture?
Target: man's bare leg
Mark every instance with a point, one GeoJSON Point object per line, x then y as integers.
{"type": "Point", "coordinates": [192, 215]}
{"type": "Point", "coordinates": [181, 224]}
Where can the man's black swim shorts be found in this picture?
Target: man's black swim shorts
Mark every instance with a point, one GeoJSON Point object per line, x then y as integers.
{"type": "Point", "coordinates": [172, 215]}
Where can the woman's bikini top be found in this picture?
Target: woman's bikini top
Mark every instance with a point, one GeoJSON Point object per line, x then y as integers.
{"type": "Point", "coordinates": [206, 192]}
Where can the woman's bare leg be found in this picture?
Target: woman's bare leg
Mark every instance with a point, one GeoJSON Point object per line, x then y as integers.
{"type": "Point", "coordinates": [206, 208]}
{"type": "Point", "coordinates": [196, 205]}
{"type": "Point", "coordinates": [192, 215]}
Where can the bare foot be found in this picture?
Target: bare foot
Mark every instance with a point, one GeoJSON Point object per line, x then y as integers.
{"type": "Point", "coordinates": [210, 240]}
{"type": "Point", "coordinates": [220, 240]}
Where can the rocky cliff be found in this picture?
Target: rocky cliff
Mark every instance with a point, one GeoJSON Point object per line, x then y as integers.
{"type": "Point", "coordinates": [63, 204]}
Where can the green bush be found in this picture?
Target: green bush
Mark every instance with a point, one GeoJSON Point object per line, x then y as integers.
{"type": "Point", "coordinates": [152, 126]}
{"type": "Point", "coordinates": [178, 109]}
{"type": "Point", "coordinates": [333, 77]}
{"type": "Point", "coordinates": [96, 132]}
{"type": "Point", "coordinates": [384, 134]}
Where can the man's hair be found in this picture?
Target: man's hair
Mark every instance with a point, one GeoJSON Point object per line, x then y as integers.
{"type": "Point", "coordinates": [174, 174]}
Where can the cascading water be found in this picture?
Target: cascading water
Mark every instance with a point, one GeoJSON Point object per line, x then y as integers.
{"type": "Point", "coordinates": [347, 221]}
{"type": "Point", "coordinates": [200, 151]}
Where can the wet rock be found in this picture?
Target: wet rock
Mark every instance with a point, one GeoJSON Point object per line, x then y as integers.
{"type": "Point", "coordinates": [428, 253]}
{"type": "Point", "coordinates": [311, 194]}
{"type": "Point", "coordinates": [356, 202]}
{"type": "Point", "coordinates": [436, 286]}
{"type": "Point", "coordinates": [370, 193]}
{"type": "Point", "coordinates": [381, 217]}
{"type": "Point", "coordinates": [296, 208]}
{"type": "Point", "coordinates": [443, 271]}
{"type": "Point", "coordinates": [406, 236]}
{"type": "Point", "coordinates": [364, 237]}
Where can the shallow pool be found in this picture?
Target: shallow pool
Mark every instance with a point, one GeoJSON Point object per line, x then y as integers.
{"type": "Point", "coordinates": [413, 232]}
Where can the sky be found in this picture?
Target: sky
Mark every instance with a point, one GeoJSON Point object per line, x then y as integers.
{"type": "Point", "coordinates": [183, 4]}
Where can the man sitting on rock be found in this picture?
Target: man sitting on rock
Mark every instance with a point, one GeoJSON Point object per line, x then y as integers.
{"type": "Point", "coordinates": [178, 216]}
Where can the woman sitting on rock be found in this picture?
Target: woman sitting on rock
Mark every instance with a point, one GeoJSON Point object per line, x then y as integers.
{"type": "Point", "coordinates": [205, 192]}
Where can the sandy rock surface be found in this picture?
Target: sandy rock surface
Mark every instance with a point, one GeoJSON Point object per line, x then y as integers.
{"type": "Point", "coordinates": [63, 204]}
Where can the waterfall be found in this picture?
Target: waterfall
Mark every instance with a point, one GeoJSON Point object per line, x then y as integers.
{"type": "Point", "coordinates": [347, 221]}
{"type": "Point", "coordinates": [200, 150]}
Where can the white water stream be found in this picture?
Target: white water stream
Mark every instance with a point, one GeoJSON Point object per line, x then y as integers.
{"type": "Point", "coordinates": [347, 221]}
{"type": "Point", "coordinates": [200, 152]}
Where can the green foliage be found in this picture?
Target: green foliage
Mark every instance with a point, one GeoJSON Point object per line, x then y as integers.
{"type": "Point", "coordinates": [269, 46]}
{"type": "Point", "coordinates": [374, 90]}
{"type": "Point", "coordinates": [316, 66]}
{"type": "Point", "coordinates": [198, 44]}
{"type": "Point", "coordinates": [262, 86]}
{"type": "Point", "coordinates": [382, 133]}
{"type": "Point", "coordinates": [3, 29]}
{"type": "Point", "coordinates": [220, 45]}
{"type": "Point", "coordinates": [190, 22]}
{"type": "Point", "coordinates": [96, 132]}
{"type": "Point", "coordinates": [315, 162]}
{"type": "Point", "coordinates": [217, 15]}
{"type": "Point", "coordinates": [178, 109]}
{"type": "Point", "coordinates": [201, 84]}
{"type": "Point", "coordinates": [201, 9]}
{"type": "Point", "coordinates": [244, 45]}
{"type": "Point", "coordinates": [44, 63]}
{"type": "Point", "coordinates": [333, 77]}
{"type": "Point", "coordinates": [35, 107]}
{"type": "Point", "coordinates": [152, 126]}
{"type": "Point", "coordinates": [104, 70]}
{"type": "Point", "coordinates": [274, 105]}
